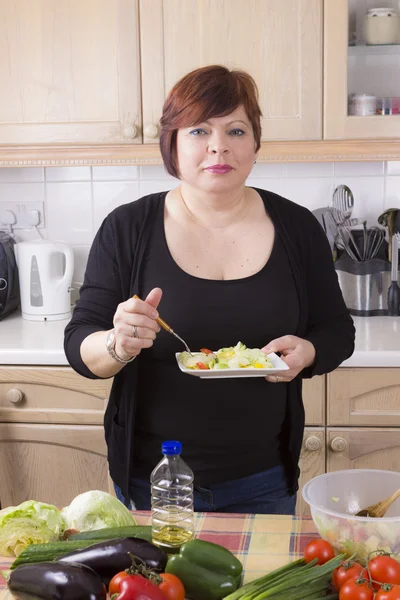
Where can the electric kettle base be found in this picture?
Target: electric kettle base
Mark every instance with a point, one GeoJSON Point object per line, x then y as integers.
{"type": "Point", "coordinates": [59, 317]}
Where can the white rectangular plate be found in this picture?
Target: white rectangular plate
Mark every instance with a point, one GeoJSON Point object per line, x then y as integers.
{"type": "Point", "coordinates": [278, 363]}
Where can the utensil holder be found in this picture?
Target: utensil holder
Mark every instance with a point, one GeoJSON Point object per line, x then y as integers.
{"type": "Point", "coordinates": [364, 285]}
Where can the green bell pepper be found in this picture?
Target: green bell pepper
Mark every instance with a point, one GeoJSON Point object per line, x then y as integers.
{"type": "Point", "coordinates": [208, 571]}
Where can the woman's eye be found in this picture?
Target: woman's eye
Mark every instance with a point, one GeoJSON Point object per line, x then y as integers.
{"type": "Point", "coordinates": [198, 131]}
{"type": "Point", "coordinates": [237, 132]}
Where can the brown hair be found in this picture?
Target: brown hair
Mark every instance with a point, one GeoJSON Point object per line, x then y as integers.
{"type": "Point", "coordinates": [212, 91]}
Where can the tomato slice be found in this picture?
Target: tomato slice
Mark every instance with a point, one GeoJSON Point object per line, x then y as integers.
{"type": "Point", "coordinates": [202, 366]}
{"type": "Point", "coordinates": [206, 351]}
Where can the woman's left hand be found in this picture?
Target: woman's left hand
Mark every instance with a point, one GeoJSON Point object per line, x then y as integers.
{"type": "Point", "coordinates": [295, 352]}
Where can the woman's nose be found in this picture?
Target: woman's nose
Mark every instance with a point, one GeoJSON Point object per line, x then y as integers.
{"type": "Point", "coordinates": [217, 145]}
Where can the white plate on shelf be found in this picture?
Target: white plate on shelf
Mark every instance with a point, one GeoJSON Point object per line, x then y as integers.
{"type": "Point", "coordinates": [278, 363]}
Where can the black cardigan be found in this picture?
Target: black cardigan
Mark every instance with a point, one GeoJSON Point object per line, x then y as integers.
{"type": "Point", "coordinates": [113, 275]}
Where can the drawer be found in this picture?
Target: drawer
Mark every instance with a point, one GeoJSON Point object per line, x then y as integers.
{"type": "Point", "coordinates": [51, 395]}
{"type": "Point", "coordinates": [359, 448]}
{"type": "Point", "coordinates": [314, 400]}
{"type": "Point", "coordinates": [368, 397]}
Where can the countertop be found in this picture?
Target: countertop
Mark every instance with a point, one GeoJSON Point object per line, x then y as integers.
{"type": "Point", "coordinates": [261, 542]}
{"type": "Point", "coordinates": [41, 343]}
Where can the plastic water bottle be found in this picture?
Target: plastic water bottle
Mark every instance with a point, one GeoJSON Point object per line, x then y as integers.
{"type": "Point", "coordinates": [172, 499]}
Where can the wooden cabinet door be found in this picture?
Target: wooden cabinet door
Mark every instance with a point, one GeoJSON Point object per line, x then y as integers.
{"type": "Point", "coordinates": [337, 123]}
{"type": "Point", "coordinates": [314, 400]}
{"type": "Point", "coordinates": [364, 397]}
{"type": "Point", "coordinates": [51, 395]}
{"type": "Point", "coordinates": [312, 462]}
{"type": "Point", "coordinates": [69, 72]}
{"type": "Point", "coordinates": [278, 42]}
{"type": "Point", "coordinates": [51, 463]}
{"type": "Point", "coordinates": [371, 448]}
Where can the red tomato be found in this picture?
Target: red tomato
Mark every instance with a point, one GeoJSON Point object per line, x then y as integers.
{"type": "Point", "coordinates": [134, 587]}
{"type": "Point", "coordinates": [201, 365]}
{"type": "Point", "coordinates": [113, 587]}
{"type": "Point", "coordinates": [206, 351]}
{"type": "Point", "coordinates": [347, 570]}
{"type": "Point", "coordinates": [392, 592]}
{"type": "Point", "coordinates": [384, 569]}
{"type": "Point", "coordinates": [319, 549]}
{"type": "Point", "coordinates": [172, 587]}
{"type": "Point", "coordinates": [352, 590]}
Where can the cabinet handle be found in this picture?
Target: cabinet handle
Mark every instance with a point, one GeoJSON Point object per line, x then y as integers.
{"type": "Point", "coordinates": [313, 443]}
{"type": "Point", "coordinates": [15, 396]}
{"type": "Point", "coordinates": [151, 131]}
{"type": "Point", "coordinates": [130, 131]}
{"type": "Point", "coordinates": [338, 444]}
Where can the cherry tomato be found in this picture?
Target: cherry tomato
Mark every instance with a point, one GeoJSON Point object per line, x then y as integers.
{"type": "Point", "coordinates": [353, 590]}
{"type": "Point", "coordinates": [384, 569]}
{"type": "Point", "coordinates": [392, 592]}
{"type": "Point", "coordinates": [206, 351]}
{"type": "Point", "coordinates": [113, 586]}
{"type": "Point", "coordinates": [136, 586]}
{"type": "Point", "coordinates": [201, 365]}
{"type": "Point", "coordinates": [319, 549]}
{"type": "Point", "coordinates": [347, 570]}
{"type": "Point", "coordinates": [172, 587]}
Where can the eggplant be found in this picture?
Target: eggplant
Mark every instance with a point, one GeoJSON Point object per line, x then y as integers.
{"type": "Point", "coordinates": [112, 556]}
{"type": "Point", "coordinates": [55, 581]}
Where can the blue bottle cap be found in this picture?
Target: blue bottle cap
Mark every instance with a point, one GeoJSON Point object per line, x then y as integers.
{"type": "Point", "coordinates": [171, 447]}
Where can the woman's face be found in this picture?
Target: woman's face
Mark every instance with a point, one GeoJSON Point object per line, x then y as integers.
{"type": "Point", "coordinates": [217, 155]}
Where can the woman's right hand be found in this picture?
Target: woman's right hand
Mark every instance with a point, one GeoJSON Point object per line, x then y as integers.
{"type": "Point", "coordinates": [136, 317]}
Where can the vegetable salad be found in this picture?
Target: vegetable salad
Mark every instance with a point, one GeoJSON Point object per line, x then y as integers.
{"type": "Point", "coordinates": [359, 536]}
{"type": "Point", "coordinates": [234, 357]}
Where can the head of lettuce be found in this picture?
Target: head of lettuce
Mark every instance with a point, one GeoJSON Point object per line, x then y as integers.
{"type": "Point", "coordinates": [28, 523]}
{"type": "Point", "coordinates": [96, 510]}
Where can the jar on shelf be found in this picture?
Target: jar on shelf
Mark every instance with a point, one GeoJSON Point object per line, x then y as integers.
{"type": "Point", "coordinates": [362, 105]}
{"type": "Point", "coordinates": [381, 26]}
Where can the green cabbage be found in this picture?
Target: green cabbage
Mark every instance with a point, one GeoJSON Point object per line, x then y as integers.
{"type": "Point", "coordinates": [96, 510]}
{"type": "Point", "coordinates": [31, 522]}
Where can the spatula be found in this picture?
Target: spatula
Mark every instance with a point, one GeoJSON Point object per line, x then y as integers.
{"type": "Point", "coordinates": [379, 509]}
{"type": "Point", "coordinates": [165, 326]}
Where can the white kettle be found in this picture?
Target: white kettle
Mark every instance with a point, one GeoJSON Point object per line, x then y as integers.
{"type": "Point", "coordinates": [45, 271]}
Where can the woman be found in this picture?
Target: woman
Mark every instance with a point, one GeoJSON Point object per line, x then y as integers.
{"type": "Point", "coordinates": [224, 263]}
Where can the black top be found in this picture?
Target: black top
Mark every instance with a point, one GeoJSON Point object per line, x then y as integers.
{"type": "Point", "coordinates": [115, 272]}
{"type": "Point", "coordinates": [229, 428]}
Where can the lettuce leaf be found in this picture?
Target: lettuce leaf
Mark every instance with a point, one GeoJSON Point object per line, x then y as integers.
{"type": "Point", "coordinates": [31, 522]}
{"type": "Point", "coordinates": [96, 510]}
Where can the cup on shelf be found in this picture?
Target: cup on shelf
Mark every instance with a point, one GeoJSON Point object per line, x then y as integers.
{"type": "Point", "coordinates": [381, 26]}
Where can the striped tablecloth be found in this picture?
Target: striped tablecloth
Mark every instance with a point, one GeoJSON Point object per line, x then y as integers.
{"type": "Point", "coordinates": [261, 542]}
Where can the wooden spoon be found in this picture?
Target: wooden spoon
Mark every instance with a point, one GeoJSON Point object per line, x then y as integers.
{"type": "Point", "coordinates": [379, 509]}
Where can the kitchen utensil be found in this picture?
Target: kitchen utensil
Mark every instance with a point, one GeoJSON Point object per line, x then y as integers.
{"type": "Point", "coordinates": [334, 498]}
{"type": "Point", "coordinates": [389, 220]}
{"type": "Point", "coordinates": [325, 219]}
{"type": "Point", "coordinates": [394, 291]}
{"type": "Point", "coordinates": [342, 203]}
{"type": "Point", "coordinates": [45, 270]}
{"type": "Point", "coordinates": [346, 237]}
{"type": "Point", "coordinates": [165, 326]}
{"type": "Point", "coordinates": [375, 237]}
{"type": "Point", "coordinates": [379, 509]}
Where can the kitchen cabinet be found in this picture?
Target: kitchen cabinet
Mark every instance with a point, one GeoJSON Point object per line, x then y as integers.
{"type": "Point", "coordinates": [312, 462]}
{"type": "Point", "coordinates": [278, 42]}
{"type": "Point", "coordinates": [353, 67]}
{"type": "Point", "coordinates": [314, 400]}
{"type": "Point", "coordinates": [364, 397]}
{"type": "Point", "coordinates": [363, 448]}
{"type": "Point", "coordinates": [69, 72]}
{"type": "Point", "coordinates": [52, 443]}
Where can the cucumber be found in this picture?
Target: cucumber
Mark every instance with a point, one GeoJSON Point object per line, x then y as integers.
{"type": "Point", "coordinates": [112, 533]}
{"type": "Point", "coordinates": [35, 553]}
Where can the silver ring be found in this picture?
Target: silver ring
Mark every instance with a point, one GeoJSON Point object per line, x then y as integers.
{"type": "Point", "coordinates": [134, 331]}
{"type": "Point", "coordinates": [277, 378]}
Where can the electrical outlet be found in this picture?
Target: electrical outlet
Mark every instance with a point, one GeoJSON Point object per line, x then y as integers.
{"type": "Point", "coordinates": [27, 214]}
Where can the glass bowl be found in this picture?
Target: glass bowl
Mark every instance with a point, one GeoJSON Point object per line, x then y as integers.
{"type": "Point", "coordinates": [335, 497]}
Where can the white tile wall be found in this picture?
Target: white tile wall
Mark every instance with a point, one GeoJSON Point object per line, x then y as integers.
{"type": "Point", "coordinates": [78, 198]}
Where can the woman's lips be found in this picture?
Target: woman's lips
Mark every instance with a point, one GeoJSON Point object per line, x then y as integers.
{"type": "Point", "coordinates": [219, 169]}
